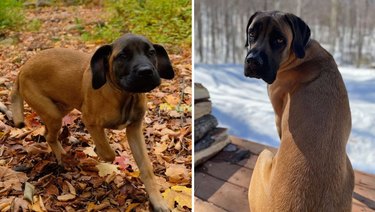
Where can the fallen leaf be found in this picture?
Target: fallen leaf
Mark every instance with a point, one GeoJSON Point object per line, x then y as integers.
{"type": "Point", "coordinates": [158, 126]}
{"type": "Point", "coordinates": [18, 133]}
{"type": "Point", "coordinates": [93, 207]}
{"type": "Point", "coordinates": [179, 194]}
{"type": "Point", "coordinates": [174, 114]}
{"type": "Point", "coordinates": [11, 180]}
{"type": "Point", "coordinates": [18, 204]}
{"type": "Point", "coordinates": [32, 120]}
{"type": "Point", "coordinates": [38, 205]}
{"type": "Point", "coordinates": [170, 132]}
{"type": "Point", "coordinates": [106, 169]}
{"type": "Point", "coordinates": [90, 151]}
{"type": "Point", "coordinates": [29, 192]}
{"type": "Point", "coordinates": [177, 146]}
{"type": "Point", "coordinates": [171, 99]}
{"type": "Point", "coordinates": [165, 107]}
{"type": "Point", "coordinates": [72, 190]}
{"type": "Point", "coordinates": [131, 207]}
{"type": "Point", "coordinates": [176, 172]}
{"type": "Point", "coordinates": [35, 148]}
{"type": "Point", "coordinates": [122, 161]}
{"type": "Point", "coordinates": [160, 147]}
{"type": "Point", "coordinates": [133, 174]}
{"type": "Point", "coordinates": [188, 90]}
{"type": "Point", "coordinates": [66, 197]}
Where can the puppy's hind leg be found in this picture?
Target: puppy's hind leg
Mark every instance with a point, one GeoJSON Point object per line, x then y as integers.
{"type": "Point", "coordinates": [52, 116]}
{"type": "Point", "coordinates": [17, 105]}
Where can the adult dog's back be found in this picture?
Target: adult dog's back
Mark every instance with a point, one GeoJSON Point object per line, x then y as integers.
{"type": "Point", "coordinates": [310, 171]}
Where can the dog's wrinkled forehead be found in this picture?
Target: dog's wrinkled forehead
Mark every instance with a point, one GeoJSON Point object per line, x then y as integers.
{"type": "Point", "coordinates": [265, 21]}
{"type": "Point", "coordinates": [130, 42]}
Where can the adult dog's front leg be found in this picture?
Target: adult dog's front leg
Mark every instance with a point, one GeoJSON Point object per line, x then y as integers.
{"type": "Point", "coordinates": [138, 148]}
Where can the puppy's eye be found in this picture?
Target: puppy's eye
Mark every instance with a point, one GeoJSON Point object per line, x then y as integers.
{"type": "Point", "coordinates": [152, 52]}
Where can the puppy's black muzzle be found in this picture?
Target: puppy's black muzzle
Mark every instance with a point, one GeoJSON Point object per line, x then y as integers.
{"type": "Point", "coordinates": [145, 72]}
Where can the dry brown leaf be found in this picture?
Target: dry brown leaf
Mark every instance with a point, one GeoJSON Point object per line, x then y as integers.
{"type": "Point", "coordinates": [188, 90]}
{"type": "Point", "coordinates": [90, 151]}
{"type": "Point", "coordinates": [18, 133]}
{"type": "Point", "coordinates": [160, 147]}
{"type": "Point", "coordinates": [66, 197]}
{"type": "Point", "coordinates": [11, 180]}
{"type": "Point", "coordinates": [34, 148]}
{"type": "Point", "coordinates": [131, 207]}
{"type": "Point", "coordinates": [135, 173]}
{"type": "Point", "coordinates": [174, 114]}
{"type": "Point", "coordinates": [106, 169]}
{"type": "Point", "coordinates": [177, 146]}
{"type": "Point", "coordinates": [170, 132]}
{"type": "Point", "coordinates": [40, 131]}
{"type": "Point", "coordinates": [38, 205]}
{"type": "Point", "coordinates": [93, 207]}
{"type": "Point", "coordinates": [171, 99]}
{"type": "Point", "coordinates": [158, 126]}
{"type": "Point", "coordinates": [176, 173]}
{"type": "Point", "coordinates": [72, 190]}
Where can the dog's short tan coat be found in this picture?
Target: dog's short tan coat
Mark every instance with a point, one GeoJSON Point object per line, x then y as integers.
{"type": "Point", "coordinates": [55, 81]}
{"type": "Point", "coordinates": [311, 170]}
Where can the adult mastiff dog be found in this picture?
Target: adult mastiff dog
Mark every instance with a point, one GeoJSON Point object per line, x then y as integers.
{"type": "Point", "coordinates": [311, 170]}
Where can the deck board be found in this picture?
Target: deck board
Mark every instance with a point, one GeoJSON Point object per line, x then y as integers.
{"type": "Point", "coordinates": [222, 185]}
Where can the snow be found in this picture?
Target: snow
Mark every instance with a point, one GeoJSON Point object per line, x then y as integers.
{"type": "Point", "coordinates": [242, 105]}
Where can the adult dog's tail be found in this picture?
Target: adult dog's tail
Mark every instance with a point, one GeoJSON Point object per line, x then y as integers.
{"type": "Point", "coordinates": [17, 105]}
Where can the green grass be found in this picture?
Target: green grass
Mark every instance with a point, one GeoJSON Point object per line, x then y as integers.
{"type": "Point", "coordinates": [162, 21]}
{"type": "Point", "coordinates": [11, 14]}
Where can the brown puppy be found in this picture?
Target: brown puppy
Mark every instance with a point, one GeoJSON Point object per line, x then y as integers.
{"type": "Point", "coordinates": [107, 87]}
{"type": "Point", "coordinates": [310, 171]}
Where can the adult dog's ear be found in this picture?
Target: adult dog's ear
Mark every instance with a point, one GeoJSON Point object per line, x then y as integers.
{"type": "Point", "coordinates": [247, 27]}
{"type": "Point", "coordinates": [301, 34]}
{"type": "Point", "coordinates": [100, 65]}
{"type": "Point", "coordinates": [164, 64]}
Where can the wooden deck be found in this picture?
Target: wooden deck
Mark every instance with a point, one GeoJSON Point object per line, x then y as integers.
{"type": "Point", "coordinates": [221, 183]}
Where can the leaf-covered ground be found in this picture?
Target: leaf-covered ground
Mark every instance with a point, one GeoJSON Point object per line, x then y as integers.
{"type": "Point", "coordinates": [29, 175]}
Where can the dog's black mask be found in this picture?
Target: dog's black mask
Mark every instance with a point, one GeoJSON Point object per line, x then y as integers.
{"type": "Point", "coordinates": [266, 41]}
{"type": "Point", "coordinates": [131, 62]}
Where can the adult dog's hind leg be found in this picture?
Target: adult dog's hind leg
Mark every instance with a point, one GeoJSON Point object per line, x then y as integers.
{"type": "Point", "coordinates": [259, 185]}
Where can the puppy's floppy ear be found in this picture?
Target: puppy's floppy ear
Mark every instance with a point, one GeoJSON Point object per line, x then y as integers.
{"type": "Point", "coordinates": [301, 34]}
{"type": "Point", "coordinates": [247, 27]}
{"type": "Point", "coordinates": [100, 65]}
{"type": "Point", "coordinates": [164, 64]}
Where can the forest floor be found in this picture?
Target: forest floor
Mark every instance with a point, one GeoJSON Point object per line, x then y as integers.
{"type": "Point", "coordinates": [87, 183]}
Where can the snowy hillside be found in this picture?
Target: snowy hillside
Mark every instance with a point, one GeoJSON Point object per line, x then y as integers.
{"type": "Point", "coordinates": [242, 105]}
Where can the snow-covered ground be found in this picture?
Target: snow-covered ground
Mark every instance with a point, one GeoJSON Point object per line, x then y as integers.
{"type": "Point", "coordinates": [242, 105]}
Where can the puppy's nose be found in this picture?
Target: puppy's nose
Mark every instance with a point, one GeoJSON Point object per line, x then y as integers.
{"type": "Point", "coordinates": [144, 72]}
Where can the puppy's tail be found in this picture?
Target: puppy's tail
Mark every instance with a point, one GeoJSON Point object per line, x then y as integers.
{"type": "Point", "coordinates": [17, 105]}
